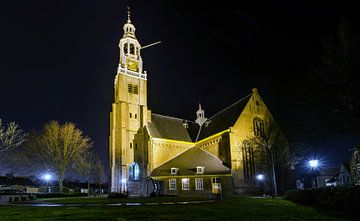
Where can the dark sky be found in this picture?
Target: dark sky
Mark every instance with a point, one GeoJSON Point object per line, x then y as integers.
{"type": "Point", "coordinates": [58, 59]}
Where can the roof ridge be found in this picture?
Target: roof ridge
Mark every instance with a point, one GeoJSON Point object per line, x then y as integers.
{"type": "Point", "coordinates": [249, 95]}
{"type": "Point", "coordinates": [161, 115]}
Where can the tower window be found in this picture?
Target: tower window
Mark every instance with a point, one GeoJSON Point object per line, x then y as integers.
{"type": "Point", "coordinates": [132, 49]}
{"type": "Point", "coordinates": [126, 48]}
{"type": "Point", "coordinates": [135, 89]}
{"type": "Point", "coordinates": [130, 115]}
{"type": "Point", "coordinates": [135, 116]}
{"type": "Point", "coordinates": [130, 145]}
{"type": "Point", "coordinates": [135, 146]}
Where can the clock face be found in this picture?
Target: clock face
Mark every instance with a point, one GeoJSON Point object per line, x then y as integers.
{"type": "Point", "coordinates": [132, 65]}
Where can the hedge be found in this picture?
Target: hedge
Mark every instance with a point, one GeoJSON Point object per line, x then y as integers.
{"type": "Point", "coordinates": [345, 199]}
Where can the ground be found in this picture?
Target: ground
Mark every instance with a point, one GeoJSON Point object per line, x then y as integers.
{"type": "Point", "coordinates": [231, 209]}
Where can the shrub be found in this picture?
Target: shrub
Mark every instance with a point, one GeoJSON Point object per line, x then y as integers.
{"type": "Point", "coordinates": [114, 195]}
{"type": "Point", "coordinates": [345, 199]}
{"type": "Point", "coordinates": [55, 195]}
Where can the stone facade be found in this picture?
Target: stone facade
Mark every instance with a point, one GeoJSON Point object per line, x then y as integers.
{"type": "Point", "coordinates": [146, 147]}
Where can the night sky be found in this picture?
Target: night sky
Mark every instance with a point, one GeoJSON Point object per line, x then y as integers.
{"type": "Point", "coordinates": [58, 59]}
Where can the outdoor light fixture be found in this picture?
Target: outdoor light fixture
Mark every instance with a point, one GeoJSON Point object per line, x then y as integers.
{"type": "Point", "coordinates": [123, 180]}
{"type": "Point", "coordinates": [46, 177]}
{"type": "Point", "coordinates": [313, 163]}
{"type": "Point", "coordinates": [260, 177]}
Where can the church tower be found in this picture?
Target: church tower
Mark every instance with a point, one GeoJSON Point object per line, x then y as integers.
{"type": "Point", "coordinates": [129, 110]}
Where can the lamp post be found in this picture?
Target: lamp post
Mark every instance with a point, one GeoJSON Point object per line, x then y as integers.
{"type": "Point", "coordinates": [314, 165]}
{"type": "Point", "coordinates": [260, 178]}
{"type": "Point", "coordinates": [47, 177]}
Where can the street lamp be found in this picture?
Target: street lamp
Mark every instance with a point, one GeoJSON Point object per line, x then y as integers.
{"type": "Point", "coordinates": [314, 165]}
{"type": "Point", "coordinates": [260, 178]}
{"type": "Point", "coordinates": [47, 177]}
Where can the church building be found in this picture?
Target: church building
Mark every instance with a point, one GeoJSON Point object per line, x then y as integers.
{"type": "Point", "coordinates": [153, 153]}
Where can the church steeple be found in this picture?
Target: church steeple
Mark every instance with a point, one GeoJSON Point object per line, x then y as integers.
{"type": "Point", "coordinates": [130, 58]}
{"type": "Point", "coordinates": [200, 114]}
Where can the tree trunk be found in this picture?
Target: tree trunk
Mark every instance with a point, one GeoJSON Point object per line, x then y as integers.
{"type": "Point", "coordinates": [60, 183]}
{"type": "Point", "coordinates": [88, 184]}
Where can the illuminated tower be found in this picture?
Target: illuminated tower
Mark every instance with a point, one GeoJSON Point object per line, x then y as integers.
{"type": "Point", "coordinates": [129, 109]}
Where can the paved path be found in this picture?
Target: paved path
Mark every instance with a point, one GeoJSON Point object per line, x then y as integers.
{"type": "Point", "coordinates": [44, 204]}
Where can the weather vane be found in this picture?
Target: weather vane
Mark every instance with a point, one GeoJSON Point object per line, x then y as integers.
{"type": "Point", "coordinates": [128, 12]}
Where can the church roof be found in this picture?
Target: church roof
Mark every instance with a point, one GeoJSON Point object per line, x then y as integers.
{"type": "Point", "coordinates": [189, 160]}
{"type": "Point", "coordinates": [173, 128]}
{"type": "Point", "coordinates": [224, 119]}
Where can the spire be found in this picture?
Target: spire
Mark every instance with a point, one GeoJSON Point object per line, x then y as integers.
{"type": "Point", "coordinates": [128, 14]}
{"type": "Point", "coordinates": [200, 114]}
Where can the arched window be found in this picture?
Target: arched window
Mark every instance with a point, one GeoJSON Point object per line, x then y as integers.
{"type": "Point", "coordinates": [258, 126]}
{"type": "Point", "coordinates": [132, 49]}
{"type": "Point", "coordinates": [134, 171]}
{"type": "Point", "coordinates": [125, 48]}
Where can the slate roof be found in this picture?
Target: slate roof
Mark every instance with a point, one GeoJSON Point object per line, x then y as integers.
{"type": "Point", "coordinates": [173, 128]}
{"type": "Point", "coordinates": [223, 119]}
{"type": "Point", "coordinates": [189, 160]}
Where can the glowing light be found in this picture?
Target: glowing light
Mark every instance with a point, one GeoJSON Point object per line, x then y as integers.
{"type": "Point", "coordinates": [123, 180]}
{"type": "Point", "coordinates": [260, 177]}
{"type": "Point", "coordinates": [313, 163]}
{"type": "Point", "coordinates": [47, 177]}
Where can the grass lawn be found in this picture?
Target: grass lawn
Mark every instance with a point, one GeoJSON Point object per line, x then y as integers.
{"type": "Point", "coordinates": [234, 209]}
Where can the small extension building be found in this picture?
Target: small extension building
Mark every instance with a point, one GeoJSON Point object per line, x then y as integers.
{"type": "Point", "coordinates": [150, 152]}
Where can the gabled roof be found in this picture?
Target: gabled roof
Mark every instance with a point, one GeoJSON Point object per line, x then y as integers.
{"type": "Point", "coordinates": [224, 119]}
{"type": "Point", "coordinates": [172, 128]}
{"type": "Point", "coordinates": [189, 160]}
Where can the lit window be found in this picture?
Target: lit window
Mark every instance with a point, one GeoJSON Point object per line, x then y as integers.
{"type": "Point", "coordinates": [199, 170]}
{"type": "Point", "coordinates": [172, 184]}
{"type": "Point", "coordinates": [199, 184]}
{"type": "Point", "coordinates": [174, 171]}
{"type": "Point", "coordinates": [185, 184]}
{"type": "Point", "coordinates": [216, 185]}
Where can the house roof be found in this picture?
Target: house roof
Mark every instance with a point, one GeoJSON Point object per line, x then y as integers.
{"type": "Point", "coordinates": [346, 165]}
{"type": "Point", "coordinates": [23, 181]}
{"type": "Point", "coordinates": [224, 119]}
{"type": "Point", "coordinates": [189, 160]}
{"type": "Point", "coordinates": [173, 128]}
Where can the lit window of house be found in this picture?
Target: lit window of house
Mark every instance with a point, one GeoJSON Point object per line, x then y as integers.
{"type": "Point", "coordinates": [172, 184]}
{"type": "Point", "coordinates": [185, 184]}
{"type": "Point", "coordinates": [199, 170]}
{"type": "Point", "coordinates": [199, 184]}
{"type": "Point", "coordinates": [174, 171]}
{"type": "Point", "coordinates": [216, 185]}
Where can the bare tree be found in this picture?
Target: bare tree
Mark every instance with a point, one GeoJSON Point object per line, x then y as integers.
{"type": "Point", "coordinates": [11, 136]}
{"type": "Point", "coordinates": [99, 173]}
{"type": "Point", "coordinates": [55, 148]}
{"type": "Point", "coordinates": [85, 166]}
{"type": "Point", "coordinates": [270, 149]}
